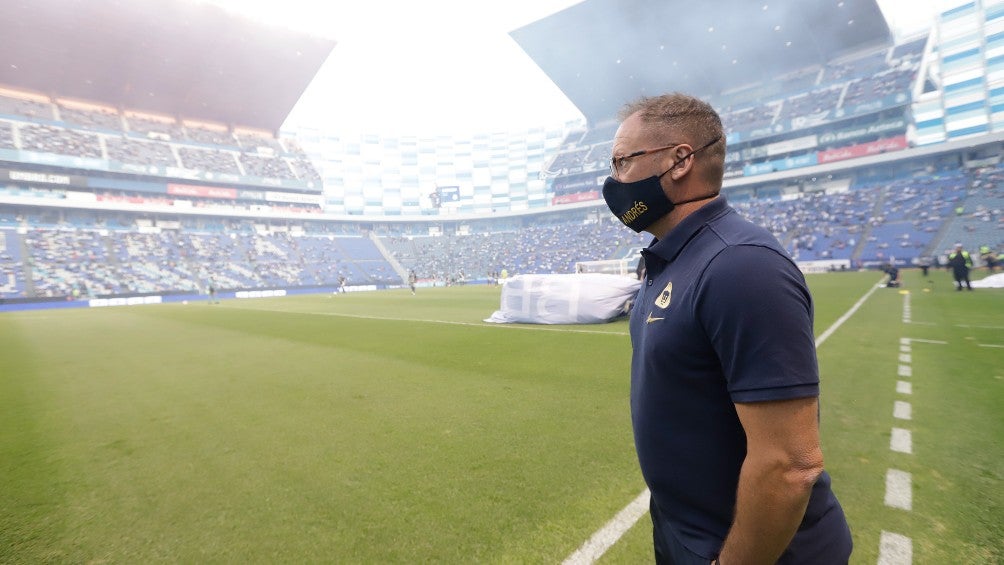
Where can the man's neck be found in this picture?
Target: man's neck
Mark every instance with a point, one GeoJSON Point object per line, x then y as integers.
{"type": "Point", "coordinates": [661, 228]}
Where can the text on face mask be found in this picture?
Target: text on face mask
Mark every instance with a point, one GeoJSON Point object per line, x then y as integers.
{"type": "Point", "coordinates": [631, 215]}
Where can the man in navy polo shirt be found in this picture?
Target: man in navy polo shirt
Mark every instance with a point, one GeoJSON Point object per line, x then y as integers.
{"type": "Point", "coordinates": [724, 382]}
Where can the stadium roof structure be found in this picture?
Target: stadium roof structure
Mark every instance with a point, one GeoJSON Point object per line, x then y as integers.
{"type": "Point", "coordinates": [180, 58]}
{"type": "Point", "coordinates": [605, 53]}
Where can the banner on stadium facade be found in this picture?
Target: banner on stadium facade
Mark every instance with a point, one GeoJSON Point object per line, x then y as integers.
{"type": "Point", "coordinates": [201, 191]}
{"type": "Point", "coordinates": [78, 196]}
{"type": "Point", "coordinates": [785, 164]}
{"type": "Point", "coordinates": [250, 195]}
{"type": "Point", "coordinates": [758, 169]}
{"type": "Point", "coordinates": [587, 298]}
{"type": "Point", "coordinates": [796, 162]}
{"type": "Point", "coordinates": [577, 197]}
{"type": "Point", "coordinates": [136, 169]}
{"type": "Point", "coordinates": [849, 134]}
{"type": "Point", "coordinates": [792, 145]}
{"type": "Point", "coordinates": [130, 185]}
{"type": "Point", "coordinates": [755, 152]}
{"type": "Point", "coordinates": [293, 198]}
{"type": "Point", "coordinates": [35, 177]}
{"type": "Point", "coordinates": [863, 149]}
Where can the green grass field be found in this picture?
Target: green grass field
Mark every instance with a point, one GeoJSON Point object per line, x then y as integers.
{"type": "Point", "coordinates": [385, 427]}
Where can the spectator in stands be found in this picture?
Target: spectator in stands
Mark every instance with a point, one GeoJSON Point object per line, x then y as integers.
{"type": "Point", "coordinates": [724, 382]}
{"type": "Point", "coordinates": [960, 263]}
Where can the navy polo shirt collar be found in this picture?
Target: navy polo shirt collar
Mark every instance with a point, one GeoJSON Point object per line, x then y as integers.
{"type": "Point", "coordinates": [667, 249]}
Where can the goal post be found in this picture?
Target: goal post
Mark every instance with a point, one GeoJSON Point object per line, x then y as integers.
{"type": "Point", "coordinates": [610, 266]}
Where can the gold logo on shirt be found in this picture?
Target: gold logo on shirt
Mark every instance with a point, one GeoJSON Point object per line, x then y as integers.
{"type": "Point", "coordinates": [665, 296]}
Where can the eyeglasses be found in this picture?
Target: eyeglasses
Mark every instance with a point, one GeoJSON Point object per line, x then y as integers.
{"type": "Point", "coordinates": [617, 163]}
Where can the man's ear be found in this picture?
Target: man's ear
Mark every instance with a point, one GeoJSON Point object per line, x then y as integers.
{"type": "Point", "coordinates": [682, 167]}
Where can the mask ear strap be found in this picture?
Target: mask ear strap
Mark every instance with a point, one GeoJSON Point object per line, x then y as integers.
{"type": "Point", "coordinates": [689, 200]}
{"type": "Point", "coordinates": [684, 158]}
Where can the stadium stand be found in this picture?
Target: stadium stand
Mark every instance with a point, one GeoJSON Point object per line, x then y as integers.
{"type": "Point", "coordinates": [126, 150]}
{"type": "Point", "coordinates": [97, 202]}
{"type": "Point", "coordinates": [90, 119]}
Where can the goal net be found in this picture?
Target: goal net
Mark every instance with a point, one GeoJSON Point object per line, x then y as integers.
{"type": "Point", "coordinates": [610, 266]}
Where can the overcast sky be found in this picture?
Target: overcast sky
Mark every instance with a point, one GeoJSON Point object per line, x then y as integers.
{"type": "Point", "coordinates": [432, 66]}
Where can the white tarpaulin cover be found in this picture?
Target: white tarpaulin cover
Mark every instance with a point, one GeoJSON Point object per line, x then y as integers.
{"type": "Point", "coordinates": [588, 298]}
{"type": "Point", "coordinates": [993, 281]}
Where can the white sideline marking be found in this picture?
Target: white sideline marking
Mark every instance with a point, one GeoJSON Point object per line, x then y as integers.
{"type": "Point", "coordinates": [926, 341]}
{"type": "Point", "coordinates": [901, 441]}
{"type": "Point", "coordinates": [921, 323]}
{"type": "Point", "coordinates": [895, 549]}
{"type": "Point", "coordinates": [603, 532]}
{"type": "Point", "coordinates": [904, 387]}
{"type": "Point", "coordinates": [612, 531]}
{"type": "Point", "coordinates": [905, 371]}
{"type": "Point", "coordinates": [904, 341]}
{"type": "Point", "coordinates": [980, 327]}
{"type": "Point", "coordinates": [990, 345]}
{"type": "Point", "coordinates": [898, 489]}
{"type": "Point", "coordinates": [840, 321]}
{"type": "Point", "coordinates": [904, 358]}
{"type": "Point", "coordinates": [448, 322]}
{"type": "Point", "coordinates": [902, 410]}
{"type": "Point", "coordinates": [904, 349]}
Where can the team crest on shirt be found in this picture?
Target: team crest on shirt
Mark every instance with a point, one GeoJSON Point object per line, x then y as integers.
{"type": "Point", "coordinates": [665, 296]}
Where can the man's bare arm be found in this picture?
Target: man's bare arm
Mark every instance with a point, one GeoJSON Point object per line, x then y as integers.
{"type": "Point", "coordinates": [783, 461]}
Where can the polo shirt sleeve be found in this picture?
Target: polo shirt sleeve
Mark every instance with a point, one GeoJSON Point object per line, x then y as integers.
{"type": "Point", "coordinates": [756, 310]}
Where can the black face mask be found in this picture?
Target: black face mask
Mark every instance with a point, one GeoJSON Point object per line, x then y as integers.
{"type": "Point", "coordinates": [639, 204]}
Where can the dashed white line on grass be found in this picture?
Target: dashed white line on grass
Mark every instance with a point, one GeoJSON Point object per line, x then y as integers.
{"type": "Point", "coordinates": [898, 489]}
{"type": "Point", "coordinates": [904, 387]}
{"type": "Point", "coordinates": [901, 441]}
{"type": "Point", "coordinates": [904, 358]}
{"type": "Point", "coordinates": [913, 339]}
{"type": "Point", "coordinates": [905, 371]}
{"type": "Point", "coordinates": [990, 345]}
{"type": "Point", "coordinates": [895, 549]}
{"type": "Point", "coordinates": [901, 410]}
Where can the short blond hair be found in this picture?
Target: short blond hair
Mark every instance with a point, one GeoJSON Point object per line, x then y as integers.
{"type": "Point", "coordinates": [677, 114]}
